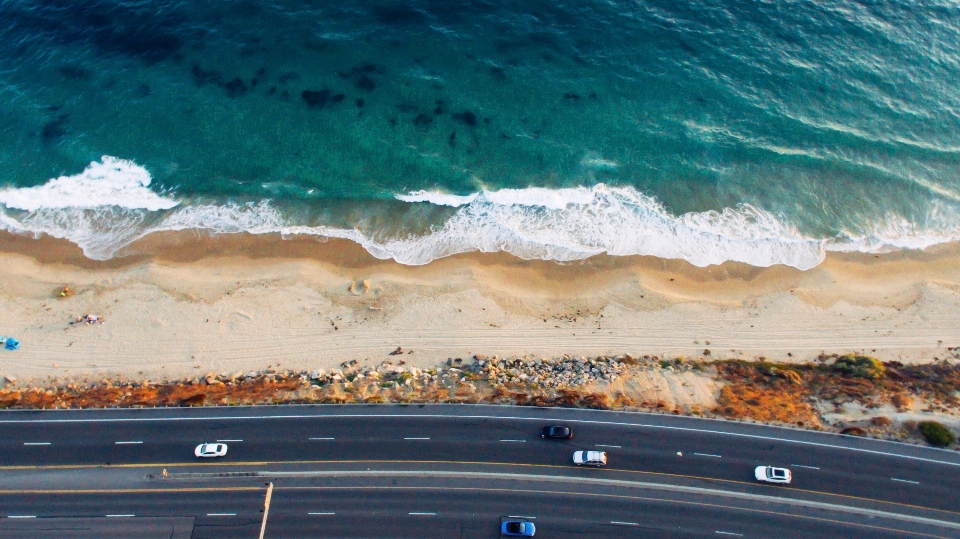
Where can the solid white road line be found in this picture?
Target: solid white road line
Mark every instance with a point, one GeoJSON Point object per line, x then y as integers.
{"type": "Point", "coordinates": [221, 514]}
{"type": "Point", "coordinates": [330, 513]}
{"type": "Point", "coordinates": [321, 438]}
{"type": "Point", "coordinates": [729, 533]}
{"type": "Point", "coordinates": [613, 446]}
{"type": "Point", "coordinates": [36, 443]}
{"type": "Point", "coordinates": [413, 438]}
{"type": "Point", "coordinates": [517, 441]}
{"type": "Point", "coordinates": [802, 466]}
{"type": "Point", "coordinates": [520, 516]}
{"type": "Point", "coordinates": [905, 481]}
{"type": "Point", "coordinates": [708, 455]}
{"type": "Point", "coordinates": [21, 516]}
{"type": "Point", "coordinates": [229, 441]}
{"type": "Point", "coordinates": [128, 443]}
{"type": "Point", "coordinates": [118, 516]}
{"type": "Point", "coordinates": [618, 523]}
{"type": "Point", "coordinates": [424, 514]}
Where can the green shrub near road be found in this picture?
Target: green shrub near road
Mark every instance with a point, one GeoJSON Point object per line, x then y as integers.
{"type": "Point", "coordinates": [936, 434]}
{"type": "Point", "coordinates": [860, 366]}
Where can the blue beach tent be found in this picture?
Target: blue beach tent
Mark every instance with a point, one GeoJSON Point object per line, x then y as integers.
{"type": "Point", "coordinates": [11, 344]}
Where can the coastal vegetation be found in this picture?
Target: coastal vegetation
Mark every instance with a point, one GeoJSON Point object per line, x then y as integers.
{"type": "Point", "coordinates": [936, 433]}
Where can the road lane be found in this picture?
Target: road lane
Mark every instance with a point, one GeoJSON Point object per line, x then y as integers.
{"type": "Point", "coordinates": [367, 511]}
{"type": "Point", "coordinates": [705, 455]}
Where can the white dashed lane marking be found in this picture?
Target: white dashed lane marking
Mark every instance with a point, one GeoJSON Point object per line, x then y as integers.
{"type": "Point", "coordinates": [905, 481]}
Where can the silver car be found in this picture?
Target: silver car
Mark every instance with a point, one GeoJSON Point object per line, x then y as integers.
{"type": "Point", "coordinates": [590, 458]}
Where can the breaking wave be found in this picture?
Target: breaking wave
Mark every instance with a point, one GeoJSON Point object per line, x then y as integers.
{"type": "Point", "coordinates": [109, 205]}
{"type": "Point", "coordinates": [575, 223]}
{"type": "Point", "coordinates": [111, 182]}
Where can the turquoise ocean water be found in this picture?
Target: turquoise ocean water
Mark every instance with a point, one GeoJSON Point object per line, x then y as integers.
{"type": "Point", "coordinates": [760, 132]}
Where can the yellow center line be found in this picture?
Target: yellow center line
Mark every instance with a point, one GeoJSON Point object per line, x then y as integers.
{"type": "Point", "coordinates": [465, 463]}
{"type": "Point", "coordinates": [132, 490]}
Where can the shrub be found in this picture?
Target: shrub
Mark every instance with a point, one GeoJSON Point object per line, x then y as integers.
{"type": "Point", "coordinates": [902, 402]}
{"type": "Point", "coordinates": [936, 434]}
{"type": "Point", "coordinates": [860, 367]}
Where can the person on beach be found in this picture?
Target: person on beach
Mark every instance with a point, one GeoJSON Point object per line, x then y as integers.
{"type": "Point", "coordinates": [90, 319]}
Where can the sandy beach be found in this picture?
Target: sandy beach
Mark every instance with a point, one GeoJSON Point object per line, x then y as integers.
{"type": "Point", "coordinates": [236, 303]}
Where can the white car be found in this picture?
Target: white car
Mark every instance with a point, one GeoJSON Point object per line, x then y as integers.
{"type": "Point", "coordinates": [210, 450]}
{"type": "Point", "coordinates": [770, 474]}
{"type": "Point", "coordinates": [590, 458]}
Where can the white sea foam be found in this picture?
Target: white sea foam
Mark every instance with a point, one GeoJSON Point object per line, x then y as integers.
{"type": "Point", "coordinates": [101, 209]}
{"type": "Point", "coordinates": [554, 199]}
{"type": "Point", "coordinates": [893, 232]}
{"type": "Point", "coordinates": [111, 182]}
{"type": "Point", "coordinates": [530, 196]}
{"type": "Point", "coordinates": [574, 223]}
{"type": "Point", "coordinates": [595, 162]}
{"type": "Point", "coordinates": [533, 223]}
{"type": "Point", "coordinates": [437, 198]}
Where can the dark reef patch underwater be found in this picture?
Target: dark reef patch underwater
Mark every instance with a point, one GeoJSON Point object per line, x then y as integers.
{"type": "Point", "coordinates": [766, 133]}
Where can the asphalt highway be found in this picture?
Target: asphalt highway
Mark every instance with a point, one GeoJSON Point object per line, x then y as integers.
{"type": "Point", "coordinates": [69, 449]}
{"type": "Point", "coordinates": [306, 513]}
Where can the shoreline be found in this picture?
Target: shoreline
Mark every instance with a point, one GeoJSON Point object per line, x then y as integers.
{"type": "Point", "coordinates": [178, 303]}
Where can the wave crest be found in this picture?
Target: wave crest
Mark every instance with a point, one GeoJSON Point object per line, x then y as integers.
{"type": "Point", "coordinates": [111, 182]}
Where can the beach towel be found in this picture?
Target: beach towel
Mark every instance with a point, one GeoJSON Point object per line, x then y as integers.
{"type": "Point", "coordinates": [11, 344]}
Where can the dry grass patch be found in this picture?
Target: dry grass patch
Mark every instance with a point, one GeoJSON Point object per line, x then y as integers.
{"type": "Point", "coordinates": [764, 392]}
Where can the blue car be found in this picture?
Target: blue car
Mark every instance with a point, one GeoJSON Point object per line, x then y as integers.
{"type": "Point", "coordinates": [517, 528]}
